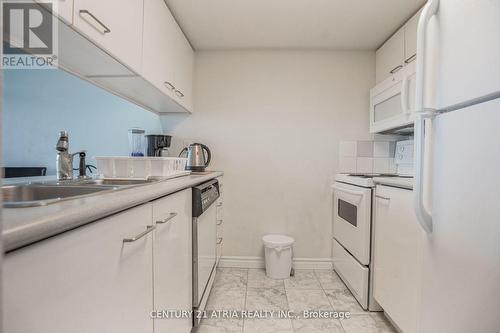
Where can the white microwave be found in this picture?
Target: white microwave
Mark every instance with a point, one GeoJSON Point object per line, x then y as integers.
{"type": "Point", "coordinates": [392, 101]}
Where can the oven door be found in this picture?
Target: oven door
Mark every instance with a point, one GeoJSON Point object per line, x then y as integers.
{"type": "Point", "coordinates": [352, 219]}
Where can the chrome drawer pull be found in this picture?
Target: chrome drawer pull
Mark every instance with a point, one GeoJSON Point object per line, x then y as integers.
{"type": "Point", "coordinates": [410, 59]}
{"type": "Point", "coordinates": [149, 228]}
{"type": "Point", "coordinates": [219, 222]}
{"type": "Point", "coordinates": [86, 12]}
{"type": "Point", "coordinates": [171, 216]}
{"type": "Point", "coordinates": [395, 69]}
{"type": "Point", "coordinates": [383, 198]}
{"type": "Point", "coordinates": [219, 240]}
{"type": "Point", "coordinates": [219, 204]}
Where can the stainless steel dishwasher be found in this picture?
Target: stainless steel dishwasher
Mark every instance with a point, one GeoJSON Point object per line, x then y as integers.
{"type": "Point", "coordinates": [204, 241]}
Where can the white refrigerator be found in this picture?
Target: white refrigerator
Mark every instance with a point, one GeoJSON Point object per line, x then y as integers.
{"type": "Point", "coordinates": [457, 165]}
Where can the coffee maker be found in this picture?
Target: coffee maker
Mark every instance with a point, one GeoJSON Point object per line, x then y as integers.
{"type": "Point", "coordinates": [158, 144]}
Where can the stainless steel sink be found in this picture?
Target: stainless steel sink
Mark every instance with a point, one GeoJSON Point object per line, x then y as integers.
{"type": "Point", "coordinates": [29, 195]}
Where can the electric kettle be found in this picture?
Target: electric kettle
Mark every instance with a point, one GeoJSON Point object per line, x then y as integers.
{"type": "Point", "coordinates": [196, 160]}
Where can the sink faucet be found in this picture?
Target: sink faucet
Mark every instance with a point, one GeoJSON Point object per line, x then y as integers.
{"type": "Point", "coordinates": [65, 159]}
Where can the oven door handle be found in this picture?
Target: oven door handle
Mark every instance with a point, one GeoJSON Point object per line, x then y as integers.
{"type": "Point", "coordinates": [341, 189]}
{"type": "Point", "coordinates": [359, 195]}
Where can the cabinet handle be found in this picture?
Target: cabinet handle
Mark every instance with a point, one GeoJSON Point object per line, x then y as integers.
{"type": "Point", "coordinates": [86, 12]}
{"type": "Point", "coordinates": [219, 222]}
{"type": "Point", "coordinates": [410, 59]}
{"type": "Point", "coordinates": [219, 240]}
{"type": "Point", "coordinates": [383, 198]}
{"type": "Point", "coordinates": [179, 93]}
{"type": "Point", "coordinates": [170, 217]}
{"type": "Point", "coordinates": [169, 85]}
{"type": "Point", "coordinates": [395, 69]}
{"type": "Point", "coordinates": [219, 204]}
{"type": "Point", "coordinates": [149, 228]}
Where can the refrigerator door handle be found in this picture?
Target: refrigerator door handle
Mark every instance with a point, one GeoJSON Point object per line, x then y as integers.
{"type": "Point", "coordinates": [424, 217]}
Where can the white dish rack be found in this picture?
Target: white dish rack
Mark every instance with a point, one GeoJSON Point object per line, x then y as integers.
{"type": "Point", "coordinates": [124, 167]}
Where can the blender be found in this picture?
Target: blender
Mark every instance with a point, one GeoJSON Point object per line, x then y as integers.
{"type": "Point", "coordinates": [136, 141]}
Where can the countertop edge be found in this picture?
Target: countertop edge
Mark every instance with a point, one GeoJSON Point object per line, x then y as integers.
{"type": "Point", "coordinates": [80, 212]}
{"type": "Point", "coordinates": [404, 183]}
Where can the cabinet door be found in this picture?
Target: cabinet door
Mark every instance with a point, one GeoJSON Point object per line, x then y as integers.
{"type": "Point", "coordinates": [62, 8]}
{"type": "Point", "coordinates": [84, 280]}
{"type": "Point", "coordinates": [115, 25]}
{"type": "Point", "coordinates": [173, 259]}
{"type": "Point", "coordinates": [65, 10]}
{"type": "Point", "coordinates": [183, 75]}
{"type": "Point", "coordinates": [168, 57]}
{"type": "Point", "coordinates": [157, 65]}
{"type": "Point", "coordinates": [390, 57]}
{"type": "Point", "coordinates": [410, 30]}
{"type": "Point", "coordinates": [397, 256]}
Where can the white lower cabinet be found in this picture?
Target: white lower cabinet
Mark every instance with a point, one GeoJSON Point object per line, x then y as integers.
{"type": "Point", "coordinates": [172, 257]}
{"type": "Point", "coordinates": [397, 256]}
{"type": "Point", "coordinates": [84, 280]}
{"type": "Point", "coordinates": [106, 276]}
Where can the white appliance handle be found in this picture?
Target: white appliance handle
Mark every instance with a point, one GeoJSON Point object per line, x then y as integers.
{"type": "Point", "coordinates": [404, 95]}
{"type": "Point", "coordinates": [341, 189]}
{"type": "Point", "coordinates": [424, 217]}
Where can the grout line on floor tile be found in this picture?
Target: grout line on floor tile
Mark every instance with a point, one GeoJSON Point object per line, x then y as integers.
{"type": "Point", "coordinates": [245, 304]}
{"type": "Point", "coordinates": [328, 299]}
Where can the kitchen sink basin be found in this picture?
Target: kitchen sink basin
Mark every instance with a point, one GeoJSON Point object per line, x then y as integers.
{"type": "Point", "coordinates": [29, 195]}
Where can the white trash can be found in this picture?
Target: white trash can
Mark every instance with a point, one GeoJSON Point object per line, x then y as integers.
{"type": "Point", "coordinates": [278, 250]}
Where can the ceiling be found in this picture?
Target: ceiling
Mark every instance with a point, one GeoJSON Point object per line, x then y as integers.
{"type": "Point", "coordinates": [291, 24]}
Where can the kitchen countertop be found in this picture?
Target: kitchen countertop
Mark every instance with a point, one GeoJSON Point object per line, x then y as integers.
{"type": "Point", "coordinates": [23, 226]}
{"type": "Point", "coordinates": [403, 182]}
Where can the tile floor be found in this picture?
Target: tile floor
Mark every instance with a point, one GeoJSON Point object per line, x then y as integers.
{"type": "Point", "coordinates": [249, 289]}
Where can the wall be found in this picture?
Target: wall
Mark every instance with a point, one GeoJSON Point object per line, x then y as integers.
{"type": "Point", "coordinates": [274, 120]}
{"type": "Point", "coordinates": [40, 103]}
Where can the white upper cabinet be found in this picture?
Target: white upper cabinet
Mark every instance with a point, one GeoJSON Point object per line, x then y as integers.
{"type": "Point", "coordinates": [397, 51]}
{"type": "Point", "coordinates": [62, 8]}
{"type": "Point", "coordinates": [390, 57]}
{"type": "Point", "coordinates": [167, 55]}
{"type": "Point", "coordinates": [115, 25]}
{"type": "Point", "coordinates": [410, 29]}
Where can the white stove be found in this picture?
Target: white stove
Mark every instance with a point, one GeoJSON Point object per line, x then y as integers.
{"type": "Point", "coordinates": [352, 233]}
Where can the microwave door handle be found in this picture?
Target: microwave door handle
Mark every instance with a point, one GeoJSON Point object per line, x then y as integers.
{"type": "Point", "coordinates": [404, 95]}
{"type": "Point", "coordinates": [424, 217]}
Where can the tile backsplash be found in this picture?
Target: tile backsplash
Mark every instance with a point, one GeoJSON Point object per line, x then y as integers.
{"type": "Point", "coordinates": [367, 157]}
